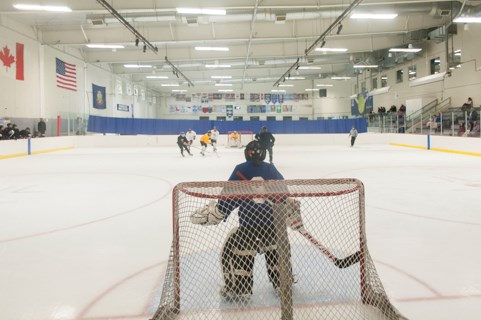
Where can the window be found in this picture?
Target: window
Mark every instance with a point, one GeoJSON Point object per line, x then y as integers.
{"type": "Point", "coordinates": [270, 118]}
{"type": "Point", "coordinates": [363, 86]}
{"type": "Point", "coordinates": [287, 118]}
{"type": "Point", "coordinates": [254, 118]}
{"type": "Point", "coordinates": [435, 65]}
{"type": "Point", "coordinates": [383, 81]}
{"type": "Point", "coordinates": [374, 83]}
{"type": "Point", "coordinates": [238, 118]}
{"type": "Point", "coordinates": [221, 118]}
{"type": "Point", "coordinates": [303, 118]}
{"type": "Point", "coordinates": [399, 76]}
{"type": "Point", "coordinates": [203, 118]}
{"type": "Point", "coordinates": [412, 72]}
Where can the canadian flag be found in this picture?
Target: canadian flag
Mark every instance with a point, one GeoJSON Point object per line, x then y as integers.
{"type": "Point", "coordinates": [12, 60]}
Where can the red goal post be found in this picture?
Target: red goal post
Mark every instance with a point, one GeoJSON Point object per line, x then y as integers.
{"type": "Point", "coordinates": [245, 137]}
{"type": "Point", "coordinates": [324, 265]}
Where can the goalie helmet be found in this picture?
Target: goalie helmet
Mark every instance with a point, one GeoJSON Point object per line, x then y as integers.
{"type": "Point", "coordinates": [254, 152]}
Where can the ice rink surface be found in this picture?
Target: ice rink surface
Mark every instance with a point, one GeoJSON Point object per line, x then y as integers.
{"type": "Point", "coordinates": [86, 233]}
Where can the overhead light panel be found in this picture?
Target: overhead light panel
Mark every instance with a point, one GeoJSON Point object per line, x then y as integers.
{"type": "Point", "coordinates": [309, 68]}
{"type": "Point", "coordinates": [137, 66]}
{"type": "Point", "coordinates": [223, 84]}
{"type": "Point", "coordinates": [374, 16]}
{"type": "Point", "coordinates": [36, 7]}
{"type": "Point", "coordinates": [467, 20]}
{"type": "Point", "coordinates": [225, 90]}
{"type": "Point", "coordinates": [364, 66]}
{"type": "Point", "coordinates": [157, 77]}
{"type": "Point", "coordinates": [274, 90]}
{"type": "Point", "coordinates": [286, 85]}
{"type": "Point", "coordinates": [221, 77]}
{"type": "Point", "coordinates": [324, 85]}
{"type": "Point", "coordinates": [179, 91]}
{"type": "Point", "coordinates": [211, 48]}
{"type": "Point", "coordinates": [105, 46]}
{"type": "Point", "coordinates": [331, 49]}
{"type": "Point", "coordinates": [217, 65]}
{"type": "Point", "coordinates": [295, 78]}
{"type": "Point", "coordinates": [340, 78]}
{"type": "Point", "coordinates": [219, 12]}
{"type": "Point", "coordinates": [169, 85]}
{"type": "Point", "coordinates": [412, 50]}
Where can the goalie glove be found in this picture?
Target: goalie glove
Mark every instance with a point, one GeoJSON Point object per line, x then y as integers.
{"type": "Point", "coordinates": [294, 218]}
{"type": "Point", "coordinates": [207, 215]}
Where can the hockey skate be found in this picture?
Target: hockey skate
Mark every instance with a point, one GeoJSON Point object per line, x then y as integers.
{"type": "Point", "coordinates": [231, 296]}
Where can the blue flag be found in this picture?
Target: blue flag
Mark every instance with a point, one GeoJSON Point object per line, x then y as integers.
{"type": "Point", "coordinates": [99, 98]}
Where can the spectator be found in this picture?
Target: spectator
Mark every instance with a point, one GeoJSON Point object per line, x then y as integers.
{"type": "Point", "coordinates": [472, 117]}
{"type": "Point", "coordinates": [462, 129]}
{"type": "Point", "coordinates": [25, 133]}
{"type": "Point", "coordinates": [393, 109]}
{"type": "Point", "coordinates": [6, 131]}
{"type": "Point", "coordinates": [42, 128]}
{"type": "Point", "coordinates": [467, 105]}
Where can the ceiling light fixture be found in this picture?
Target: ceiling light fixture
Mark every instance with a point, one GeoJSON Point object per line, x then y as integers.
{"type": "Point", "coordinates": [211, 48]}
{"type": "Point", "coordinates": [339, 29]}
{"type": "Point", "coordinates": [374, 16]}
{"type": "Point", "coordinates": [127, 25]}
{"type": "Point", "coordinates": [217, 65]}
{"type": "Point", "coordinates": [338, 20]}
{"type": "Point", "coordinates": [223, 84]}
{"type": "Point", "coordinates": [364, 66]}
{"type": "Point", "coordinates": [221, 77]}
{"type": "Point", "coordinates": [136, 42]}
{"type": "Point", "coordinates": [324, 85]}
{"type": "Point", "coordinates": [309, 68]}
{"type": "Point", "coordinates": [340, 78]}
{"type": "Point", "coordinates": [177, 72]}
{"type": "Point", "coordinates": [411, 50]}
{"type": "Point", "coordinates": [104, 46]}
{"type": "Point", "coordinates": [221, 12]}
{"type": "Point", "coordinates": [137, 66]}
{"type": "Point", "coordinates": [225, 90]}
{"type": "Point", "coordinates": [157, 77]}
{"type": "Point", "coordinates": [169, 85]}
{"type": "Point", "coordinates": [35, 7]}
{"type": "Point", "coordinates": [331, 49]}
{"type": "Point", "coordinates": [467, 20]}
{"type": "Point", "coordinates": [145, 48]}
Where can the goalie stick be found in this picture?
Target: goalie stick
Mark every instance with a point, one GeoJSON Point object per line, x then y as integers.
{"type": "Point", "coordinates": [298, 226]}
{"type": "Point", "coordinates": [340, 263]}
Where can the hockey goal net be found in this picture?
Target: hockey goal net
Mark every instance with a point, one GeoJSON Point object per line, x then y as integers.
{"type": "Point", "coordinates": [238, 139]}
{"type": "Point", "coordinates": [313, 266]}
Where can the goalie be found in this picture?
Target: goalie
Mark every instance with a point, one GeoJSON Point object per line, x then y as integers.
{"type": "Point", "coordinates": [256, 232]}
{"type": "Point", "coordinates": [235, 139]}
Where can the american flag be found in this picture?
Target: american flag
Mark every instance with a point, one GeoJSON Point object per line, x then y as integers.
{"type": "Point", "coordinates": [66, 75]}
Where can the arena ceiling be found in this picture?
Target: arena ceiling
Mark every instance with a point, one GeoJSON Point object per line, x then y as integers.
{"type": "Point", "coordinates": [267, 40]}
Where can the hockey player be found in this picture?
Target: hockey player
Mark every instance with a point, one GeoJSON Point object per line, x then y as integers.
{"type": "Point", "coordinates": [213, 138]}
{"type": "Point", "coordinates": [190, 135]}
{"type": "Point", "coordinates": [256, 232]}
{"type": "Point", "coordinates": [183, 144]}
{"type": "Point", "coordinates": [266, 139]}
{"type": "Point", "coordinates": [353, 134]}
{"type": "Point", "coordinates": [204, 142]}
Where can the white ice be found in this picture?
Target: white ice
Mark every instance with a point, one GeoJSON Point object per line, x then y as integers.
{"type": "Point", "coordinates": [86, 233]}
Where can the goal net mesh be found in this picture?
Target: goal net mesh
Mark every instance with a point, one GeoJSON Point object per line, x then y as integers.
{"type": "Point", "coordinates": [274, 264]}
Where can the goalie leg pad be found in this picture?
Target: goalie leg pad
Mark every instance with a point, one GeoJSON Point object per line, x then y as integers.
{"type": "Point", "coordinates": [237, 260]}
